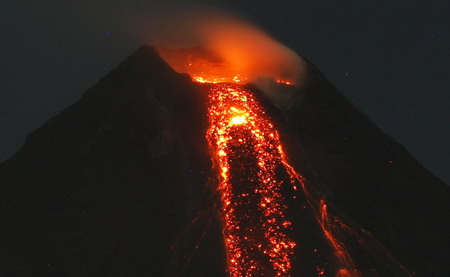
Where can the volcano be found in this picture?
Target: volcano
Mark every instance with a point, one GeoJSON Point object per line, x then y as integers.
{"type": "Point", "coordinates": [152, 173]}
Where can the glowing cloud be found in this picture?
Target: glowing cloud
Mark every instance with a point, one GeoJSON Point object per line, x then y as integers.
{"type": "Point", "coordinates": [237, 50]}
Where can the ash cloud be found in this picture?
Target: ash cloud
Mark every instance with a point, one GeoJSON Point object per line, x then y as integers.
{"type": "Point", "coordinates": [245, 48]}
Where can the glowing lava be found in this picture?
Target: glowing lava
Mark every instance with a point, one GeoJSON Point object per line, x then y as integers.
{"type": "Point", "coordinates": [262, 196]}
{"type": "Point", "coordinates": [254, 175]}
{"type": "Point", "coordinates": [256, 229]}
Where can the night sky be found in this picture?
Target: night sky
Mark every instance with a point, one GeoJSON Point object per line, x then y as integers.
{"type": "Point", "coordinates": [390, 58]}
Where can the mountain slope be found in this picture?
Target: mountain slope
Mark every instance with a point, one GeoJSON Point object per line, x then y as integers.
{"type": "Point", "coordinates": [118, 183]}
{"type": "Point", "coordinates": [105, 187]}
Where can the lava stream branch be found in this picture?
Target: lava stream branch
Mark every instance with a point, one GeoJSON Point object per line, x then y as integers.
{"type": "Point", "coordinates": [320, 210]}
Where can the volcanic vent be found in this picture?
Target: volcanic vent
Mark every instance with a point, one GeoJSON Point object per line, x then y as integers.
{"type": "Point", "coordinates": [122, 183]}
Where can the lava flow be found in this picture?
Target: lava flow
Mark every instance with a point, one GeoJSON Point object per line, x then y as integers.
{"type": "Point", "coordinates": [256, 181]}
{"type": "Point", "coordinates": [273, 225]}
{"type": "Point", "coordinates": [256, 229]}
{"type": "Point", "coordinates": [247, 150]}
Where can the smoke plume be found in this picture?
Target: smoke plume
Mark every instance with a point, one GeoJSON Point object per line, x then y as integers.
{"type": "Point", "coordinates": [240, 47]}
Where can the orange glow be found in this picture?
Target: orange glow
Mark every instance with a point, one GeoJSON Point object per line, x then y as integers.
{"type": "Point", "coordinates": [234, 45]}
{"type": "Point", "coordinates": [206, 66]}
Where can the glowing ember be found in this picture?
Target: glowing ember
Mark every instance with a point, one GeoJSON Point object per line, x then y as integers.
{"type": "Point", "coordinates": [284, 82]}
{"type": "Point", "coordinates": [216, 80]}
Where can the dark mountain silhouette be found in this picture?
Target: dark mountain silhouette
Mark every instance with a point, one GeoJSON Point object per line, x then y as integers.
{"type": "Point", "coordinates": [118, 184]}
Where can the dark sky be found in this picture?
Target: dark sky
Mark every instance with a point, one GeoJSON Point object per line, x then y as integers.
{"type": "Point", "coordinates": [391, 58]}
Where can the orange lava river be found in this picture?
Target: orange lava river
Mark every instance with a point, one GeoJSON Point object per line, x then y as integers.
{"type": "Point", "coordinates": [249, 157]}
{"type": "Point", "coordinates": [248, 152]}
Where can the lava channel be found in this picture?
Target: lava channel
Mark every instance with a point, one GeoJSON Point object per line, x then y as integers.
{"type": "Point", "coordinates": [247, 149]}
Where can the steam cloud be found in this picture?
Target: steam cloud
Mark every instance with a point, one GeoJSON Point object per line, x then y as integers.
{"type": "Point", "coordinates": [242, 46]}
